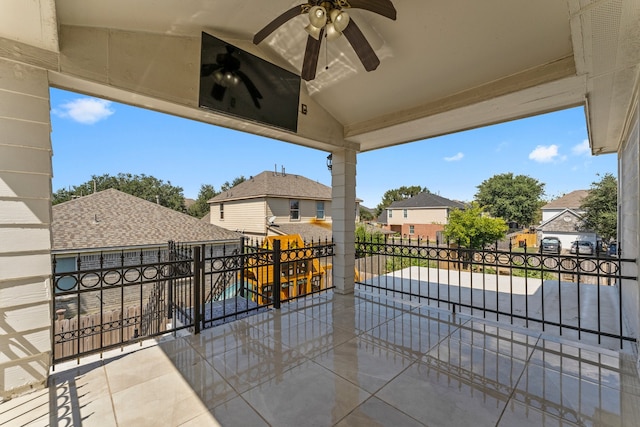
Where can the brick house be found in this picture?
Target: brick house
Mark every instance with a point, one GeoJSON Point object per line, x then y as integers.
{"type": "Point", "coordinates": [422, 215]}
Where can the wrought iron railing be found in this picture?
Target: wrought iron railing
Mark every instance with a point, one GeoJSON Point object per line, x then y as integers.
{"type": "Point", "coordinates": [577, 293]}
{"type": "Point", "coordinates": [123, 297]}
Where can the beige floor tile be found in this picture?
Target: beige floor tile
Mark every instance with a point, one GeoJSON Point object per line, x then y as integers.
{"type": "Point", "coordinates": [313, 337]}
{"type": "Point", "coordinates": [497, 339]}
{"type": "Point", "coordinates": [349, 359]}
{"type": "Point", "coordinates": [577, 400]}
{"type": "Point", "coordinates": [256, 362]}
{"type": "Point", "coordinates": [358, 320]}
{"type": "Point", "coordinates": [202, 378]}
{"type": "Point", "coordinates": [307, 395]}
{"type": "Point", "coordinates": [135, 368]}
{"type": "Point", "coordinates": [610, 369]}
{"type": "Point", "coordinates": [385, 308]}
{"type": "Point", "coordinates": [402, 338]}
{"type": "Point", "coordinates": [374, 412]}
{"type": "Point", "coordinates": [364, 363]}
{"type": "Point", "coordinates": [433, 322]}
{"type": "Point", "coordinates": [166, 399]}
{"type": "Point", "coordinates": [498, 371]}
{"type": "Point", "coordinates": [275, 322]}
{"type": "Point", "coordinates": [235, 412]}
{"type": "Point", "coordinates": [438, 398]}
{"type": "Point", "coordinates": [521, 415]}
{"type": "Point", "coordinates": [82, 396]}
{"type": "Point", "coordinates": [220, 339]}
{"type": "Point", "coordinates": [33, 407]}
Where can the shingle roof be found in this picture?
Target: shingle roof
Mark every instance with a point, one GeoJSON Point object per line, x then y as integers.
{"type": "Point", "coordinates": [111, 218]}
{"type": "Point", "coordinates": [426, 200]}
{"type": "Point", "coordinates": [572, 200]}
{"type": "Point", "coordinates": [272, 184]}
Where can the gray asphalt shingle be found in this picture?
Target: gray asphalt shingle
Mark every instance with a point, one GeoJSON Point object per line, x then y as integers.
{"type": "Point", "coordinates": [111, 218]}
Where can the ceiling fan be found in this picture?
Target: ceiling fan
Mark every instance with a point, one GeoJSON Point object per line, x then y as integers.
{"type": "Point", "coordinates": [329, 18]}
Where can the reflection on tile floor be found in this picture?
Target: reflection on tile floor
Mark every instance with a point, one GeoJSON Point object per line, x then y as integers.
{"type": "Point", "coordinates": [346, 361]}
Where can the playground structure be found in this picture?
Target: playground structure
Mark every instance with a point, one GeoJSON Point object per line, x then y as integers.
{"type": "Point", "coordinates": [301, 272]}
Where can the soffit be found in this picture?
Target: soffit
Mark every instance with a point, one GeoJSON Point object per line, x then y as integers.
{"type": "Point", "coordinates": [445, 66]}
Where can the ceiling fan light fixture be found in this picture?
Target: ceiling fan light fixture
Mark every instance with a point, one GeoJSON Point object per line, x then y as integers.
{"type": "Point", "coordinates": [318, 16]}
{"type": "Point", "coordinates": [231, 79]}
{"type": "Point", "coordinates": [218, 76]}
{"type": "Point", "coordinates": [332, 32]}
{"type": "Point", "coordinates": [313, 31]}
{"type": "Point", "coordinates": [340, 19]}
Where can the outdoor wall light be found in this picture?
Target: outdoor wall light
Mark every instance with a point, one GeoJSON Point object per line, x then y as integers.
{"type": "Point", "coordinates": [329, 161]}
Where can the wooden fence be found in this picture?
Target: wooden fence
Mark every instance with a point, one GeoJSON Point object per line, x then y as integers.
{"type": "Point", "coordinates": [112, 328]}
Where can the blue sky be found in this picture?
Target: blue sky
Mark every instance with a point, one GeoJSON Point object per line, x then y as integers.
{"type": "Point", "coordinates": [95, 137]}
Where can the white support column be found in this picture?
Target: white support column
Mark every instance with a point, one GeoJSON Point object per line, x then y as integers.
{"type": "Point", "coordinates": [25, 237]}
{"type": "Point", "coordinates": [343, 213]}
{"type": "Point", "coordinates": [629, 221]}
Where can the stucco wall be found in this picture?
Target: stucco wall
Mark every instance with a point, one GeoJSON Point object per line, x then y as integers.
{"type": "Point", "coordinates": [25, 239]}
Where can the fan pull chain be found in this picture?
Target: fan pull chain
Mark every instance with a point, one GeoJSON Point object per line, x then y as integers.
{"type": "Point", "coordinates": [326, 55]}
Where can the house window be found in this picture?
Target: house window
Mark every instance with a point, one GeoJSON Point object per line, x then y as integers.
{"type": "Point", "coordinates": [411, 229]}
{"type": "Point", "coordinates": [320, 210]}
{"type": "Point", "coordinates": [404, 212]}
{"type": "Point", "coordinates": [221, 210]}
{"type": "Point", "coordinates": [294, 210]}
{"type": "Point", "coordinates": [390, 213]}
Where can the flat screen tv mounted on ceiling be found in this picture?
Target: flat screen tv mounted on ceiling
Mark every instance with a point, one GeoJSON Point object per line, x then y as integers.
{"type": "Point", "coordinates": [238, 83]}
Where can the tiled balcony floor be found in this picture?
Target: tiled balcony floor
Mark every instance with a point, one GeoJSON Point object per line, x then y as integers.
{"type": "Point", "coordinates": [348, 361]}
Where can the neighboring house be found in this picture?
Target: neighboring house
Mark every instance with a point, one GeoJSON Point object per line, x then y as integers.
{"type": "Point", "coordinates": [276, 203]}
{"type": "Point", "coordinates": [571, 201]}
{"type": "Point", "coordinates": [561, 218]}
{"type": "Point", "coordinates": [422, 215]}
{"type": "Point", "coordinates": [97, 229]}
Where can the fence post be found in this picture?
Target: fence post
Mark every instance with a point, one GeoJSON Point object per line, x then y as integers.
{"type": "Point", "coordinates": [242, 263]}
{"type": "Point", "coordinates": [197, 306]}
{"type": "Point", "coordinates": [171, 249]}
{"type": "Point", "coordinates": [276, 274]}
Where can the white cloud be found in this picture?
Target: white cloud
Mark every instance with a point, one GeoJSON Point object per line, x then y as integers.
{"type": "Point", "coordinates": [582, 148]}
{"type": "Point", "coordinates": [544, 154]}
{"type": "Point", "coordinates": [455, 158]}
{"type": "Point", "coordinates": [85, 110]}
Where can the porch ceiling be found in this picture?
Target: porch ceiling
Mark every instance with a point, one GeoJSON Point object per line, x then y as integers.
{"type": "Point", "coordinates": [445, 66]}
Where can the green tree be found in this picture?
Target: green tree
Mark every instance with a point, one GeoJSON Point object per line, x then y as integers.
{"type": "Point", "coordinates": [472, 229]}
{"type": "Point", "coordinates": [229, 185]}
{"type": "Point", "coordinates": [365, 214]}
{"type": "Point", "coordinates": [201, 206]}
{"type": "Point", "coordinates": [143, 186]}
{"type": "Point", "coordinates": [512, 198]}
{"type": "Point", "coordinates": [601, 208]}
{"type": "Point", "coordinates": [398, 194]}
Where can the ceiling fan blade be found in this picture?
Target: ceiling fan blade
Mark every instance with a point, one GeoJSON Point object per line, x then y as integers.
{"type": "Point", "coordinates": [253, 90]}
{"type": "Point", "coordinates": [310, 61]}
{"type": "Point", "coordinates": [381, 7]}
{"type": "Point", "coordinates": [273, 25]}
{"type": "Point", "coordinates": [208, 69]}
{"type": "Point", "coordinates": [362, 47]}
